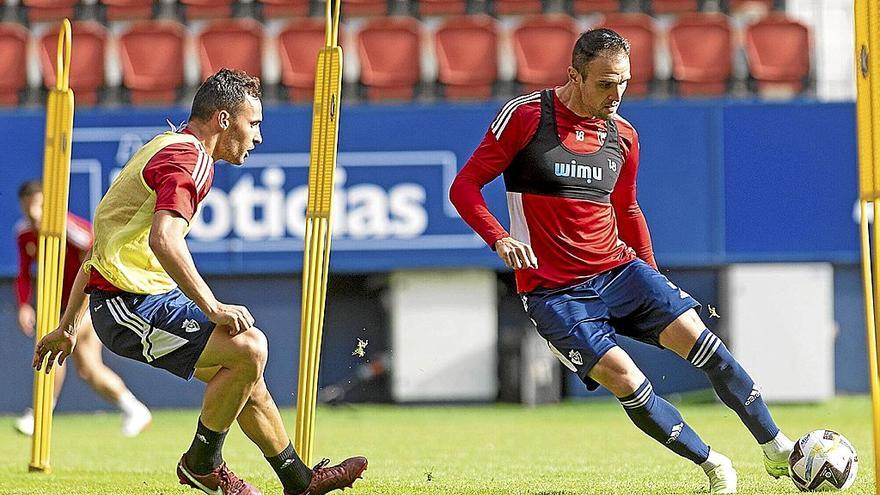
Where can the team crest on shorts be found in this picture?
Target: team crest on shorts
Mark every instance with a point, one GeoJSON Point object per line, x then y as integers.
{"type": "Point", "coordinates": [191, 326]}
{"type": "Point", "coordinates": [575, 357]}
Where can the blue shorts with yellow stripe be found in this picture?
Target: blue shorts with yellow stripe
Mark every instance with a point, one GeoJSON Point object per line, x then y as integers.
{"type": "Point", "coordinates": [166, 331]}
{"type": "Point", "coordinates": [581, 323]}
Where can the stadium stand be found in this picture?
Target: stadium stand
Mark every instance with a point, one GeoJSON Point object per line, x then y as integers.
{"type": "Point", "coordinates": [640, 31]}
{"type": "Point", "coordinates": [86, 60]}
{"type": "Point", "coordinates": [231, 43]}
{"type": "Point", "coordinates": [13, 62]}
{"type": "Point", "coordinates": [701, 49]}
{"type": "Point", "coordinates": [152, 61]}
{"type": "Point", "coordinates": [389, 52]}
{"type": "Point", "coordinates": [298, 45]}
{"type": "Point", "coordinates": [542, 47]}
{"type": "Point", "coordinates": [467, 56]}
{"type": "Point", "coordinates": [119, 10]}
{"type": "Point", "coordinates": [778, 54]}
{"type": "Point", "coordinates": [473, 56]}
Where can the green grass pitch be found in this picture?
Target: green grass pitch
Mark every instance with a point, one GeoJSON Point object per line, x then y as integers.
{"type": "Point", "coordinates": [566, 449]}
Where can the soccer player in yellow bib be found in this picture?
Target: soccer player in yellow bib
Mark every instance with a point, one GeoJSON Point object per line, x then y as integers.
{"type": "Point", "coordinates": [149, 303]}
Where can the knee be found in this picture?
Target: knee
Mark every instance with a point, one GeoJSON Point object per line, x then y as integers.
{"type": "Point", "coordinates": [625, 383]}
{"type": "Point", "coordinates": [252, 352]}
{"type": "Point", "coordinates": [259, 394]}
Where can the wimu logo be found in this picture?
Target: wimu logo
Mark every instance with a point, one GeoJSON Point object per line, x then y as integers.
{"type": "Point", "coordinates": [574, 170]}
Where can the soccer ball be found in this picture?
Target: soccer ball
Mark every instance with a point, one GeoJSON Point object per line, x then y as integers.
{"type": "Point", "coordinates": [823, 461]}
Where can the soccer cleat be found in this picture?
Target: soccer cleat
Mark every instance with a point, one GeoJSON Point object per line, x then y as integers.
{"type": "Point", "coordinates": [339, 477]}
{"type": "Point", "coordinates": [220, 481]}
{"type": "Point", "coordinates": [722, 478]}
{"type": "Point", "coordinates": [778, 468]}
{"type": "Point", "coordinates": [24, 424]}
{"type": "Point", "coordinates": [135, 422]}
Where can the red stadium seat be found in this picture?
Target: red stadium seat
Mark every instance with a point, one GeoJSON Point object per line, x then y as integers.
{"type": "Point", "coordinates": [298, 46]}
{"type": "Point", "coordinates": [234, 44]}
{"type": "Point", "coordinates": [467, 55]}
{"type": "Point", "coordinates": [389, 51]}
{"type": "Point", "coordinates": [673, 6]}
{"type": "Point", "coordinates": [701, 49]}
{"type": "Point", "coordinates": [86, 60]}
{"type": "Point", "coordinates": [736, 5]}
{"type": "Point", "coordinates": [778, 53]}
{"type": "Point", "coordinates": [207, 9]}
{"type": "Point", "coordinates": [13, 62]}
{"type": "Point", "coordinates": [514, 7]}
{"type": "Point", "coordinates": [116, 10]}
{"type": "Point", "coordinates": [542, 46]}
{"type": "Point", "coordinates": [442, 7]}
{"type": "Point", "coordinates": [587, 7]}
{"type": "Point", "coordinates": [357, 8]}
{"type": "Point", "coordinates": [285, 8]}
{"type": "Point", "coordinates": [639, 30]}
{"type": "Point", "coordinates": [49, 10]}
{"type": "Point", "coordinates": [152, 61]}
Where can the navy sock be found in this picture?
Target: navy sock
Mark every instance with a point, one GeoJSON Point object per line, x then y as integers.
{"type": "Point", "coordinates": [662, 422]}
{"type": "Point", "coordinates": [294, 475]}
{"type": "Point", "coordinates": [733, 385]}
{"type": "Point", "coordinates": [206, 451]}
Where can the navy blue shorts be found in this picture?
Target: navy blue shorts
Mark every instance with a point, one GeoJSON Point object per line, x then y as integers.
{"type": "Point", "coordinates": [167, 330]}
{"type": "Point", "coordinates": [581, 323]}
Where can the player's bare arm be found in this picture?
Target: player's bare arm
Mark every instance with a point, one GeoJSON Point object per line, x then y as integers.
{"type": "Point", "coordinates": [59, 343]}
{"type": "Point", "coordinates": [168, 244]}
{"type": "Point", "coordinates": [515, 254]}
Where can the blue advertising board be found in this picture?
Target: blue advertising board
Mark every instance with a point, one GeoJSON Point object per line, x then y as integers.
{"type": "Point", "coordinates": [719, 181]}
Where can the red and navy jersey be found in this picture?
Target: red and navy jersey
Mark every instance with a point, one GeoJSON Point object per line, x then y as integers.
{"type": "Point", "coordinates": [574, 236]}
{"type": "Point", "coordinates": [79, 241]}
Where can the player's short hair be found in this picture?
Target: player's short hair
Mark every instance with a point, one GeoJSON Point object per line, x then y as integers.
{"type": "Point", "coordinates": [29, 188]}
{"type": "Point", "coordinates": [225, 90]}
{"type": "Point", "coordinates": [595, 42]}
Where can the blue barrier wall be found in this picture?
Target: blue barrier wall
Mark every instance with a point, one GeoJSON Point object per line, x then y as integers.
{"type": "Point", "coordinates": [719, 182]}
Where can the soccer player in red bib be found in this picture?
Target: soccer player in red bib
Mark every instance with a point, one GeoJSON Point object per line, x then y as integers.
{"type": "Point", "coordinates": [149, 303]}
{"type": "Point", "coordinates": [582, 253]}
{"type": "Point", "coordinates": [87, 355]}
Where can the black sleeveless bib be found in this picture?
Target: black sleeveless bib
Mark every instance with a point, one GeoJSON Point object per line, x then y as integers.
{"type": "Point", "coordinates": [546, 167]}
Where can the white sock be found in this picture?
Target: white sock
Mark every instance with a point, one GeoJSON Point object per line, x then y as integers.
{"type": "Point", "coordinates": [779, 447]}
{"type": "Point", "coordinates": [715, 459]}
{"type": "Point", "coordinates": [128, 403]}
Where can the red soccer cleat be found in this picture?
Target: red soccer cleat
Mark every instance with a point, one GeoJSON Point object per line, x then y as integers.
{"type": "Point", "coordinates": [220, 481]}
{"type": "Point", "coordinates": [338, 477]}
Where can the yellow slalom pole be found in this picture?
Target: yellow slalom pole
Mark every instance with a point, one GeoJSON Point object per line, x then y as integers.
{"type": "Point", "coordinates": [867, 56]}
{"type": "Point", "coordinates": [52, 239]}
{"type": "Point", "coordinates": [316, 252]}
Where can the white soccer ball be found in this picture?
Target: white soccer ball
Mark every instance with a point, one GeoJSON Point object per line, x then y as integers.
{"type": "Point", "coordinates": [823, 461]}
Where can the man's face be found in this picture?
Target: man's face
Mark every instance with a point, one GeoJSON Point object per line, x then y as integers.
{"type": "Point", "coordinates": [32, 208]}
{"type": "Point", "coordinates": [603, 87]}
{"type": "Point", "coordinates": [242, 131]}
